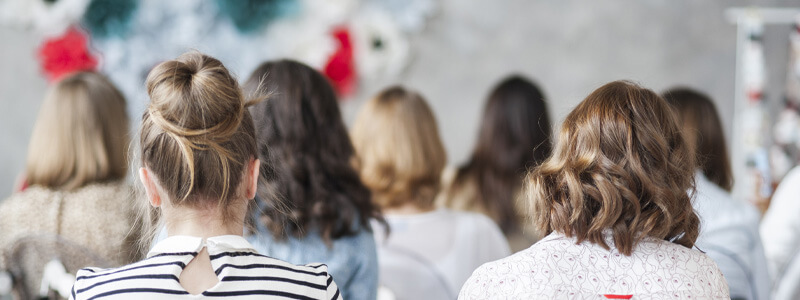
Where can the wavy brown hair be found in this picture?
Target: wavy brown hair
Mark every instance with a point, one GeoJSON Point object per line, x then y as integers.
{"type": "Point", "coordinates": [620, 165]}
{"type": "Point", "coordinates": [514, 136]}
{"type": "Point", "coordinates": [703, 129]}
{"type": "Point", "coordinates": [305, 154]}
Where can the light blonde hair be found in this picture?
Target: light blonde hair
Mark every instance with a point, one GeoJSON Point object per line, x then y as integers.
{"type": "Point", "coordinates": [196, 135]}
{"type": "Point", "coordinates": [620, 164]}
{"type": "Point", "coordinates": [80, 136]}
{"type": "Point", "coordinates": [400, 154]}
{"type": "Point", "coordinates": [196, 138]}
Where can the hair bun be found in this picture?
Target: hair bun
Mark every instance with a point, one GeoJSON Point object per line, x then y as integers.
{"type": "Point", "coordinates": [196, 134]}
{"type": "Point", "coordinates": [195, 97]}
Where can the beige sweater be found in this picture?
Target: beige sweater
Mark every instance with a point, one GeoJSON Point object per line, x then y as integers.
{"type": "Point", "coordinates": [98, 217]}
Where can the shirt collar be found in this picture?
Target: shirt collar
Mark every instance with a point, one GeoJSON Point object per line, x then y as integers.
{"type": "Point", "coordinates": [216, 244]}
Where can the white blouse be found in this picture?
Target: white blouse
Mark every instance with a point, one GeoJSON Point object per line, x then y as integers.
{"type": "Point", "coordinates": [729, 235]}
{"type": "Point", "coordinates": [430, 255]}
{"type": "Point", "coordinates": [558, 268]}
{"type": "Point", "coordinates": [242, 272]}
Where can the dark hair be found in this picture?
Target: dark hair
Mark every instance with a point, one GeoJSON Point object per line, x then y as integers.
{"type": "Point", "coordinates": [620, 164]}
{"type": "Point", "coordinates": [514, 136]}
{"type": "Point", "coordinates": [309, 159]}
{"type": "Point", "coordinates": [703, 129]}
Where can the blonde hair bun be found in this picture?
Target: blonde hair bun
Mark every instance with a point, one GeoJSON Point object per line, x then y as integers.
{"type": "Point", "coordinates": [195, 97]}
{"type": "Point", "coordinates": [196, 134]}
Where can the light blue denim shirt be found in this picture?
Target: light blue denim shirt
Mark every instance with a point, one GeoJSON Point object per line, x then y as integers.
{"type": "Point", "coordinates": [352, 260]}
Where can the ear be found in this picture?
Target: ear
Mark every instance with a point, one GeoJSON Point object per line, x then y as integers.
{"type": "Point", "coordinates": [253, 169]}
{"type": "Point", "coordinates": [150, 187]}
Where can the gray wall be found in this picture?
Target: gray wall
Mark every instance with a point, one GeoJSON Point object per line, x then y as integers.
{"type": "Point", "coordinates": [569, 47]}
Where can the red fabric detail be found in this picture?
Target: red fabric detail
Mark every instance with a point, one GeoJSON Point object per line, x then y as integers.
{"type": "Point", "coordinates": [612, 296]}
{"type": "Point", "coordinates": [66, 54]}
{"type": "Point", "coordinates": [754, 95]}
{"type": "Point", "coordinates": [22, 186]}
{"type": "Point", "coordinates": [340, 68]}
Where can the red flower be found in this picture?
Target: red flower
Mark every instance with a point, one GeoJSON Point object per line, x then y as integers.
{"type": "Point", "coordinates": [66, 54]}
{"type": "Point", "coordinates": [340, 68]}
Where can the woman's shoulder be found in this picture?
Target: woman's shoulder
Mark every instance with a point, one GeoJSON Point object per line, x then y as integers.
{"type": "Point", "coordinates": [118, 189]}
{"type": "Point", "coordinates": [35, 200]}
{"type": "Point", "coordinates": [574, 267]}
{"type": "Point", "coordinates": [100, 190]}
{"type": "Point", "coordinates": [717, 209]}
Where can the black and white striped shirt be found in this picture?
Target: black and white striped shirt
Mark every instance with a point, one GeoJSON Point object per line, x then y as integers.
{"type": "Point", "coordinates": [242, 273]}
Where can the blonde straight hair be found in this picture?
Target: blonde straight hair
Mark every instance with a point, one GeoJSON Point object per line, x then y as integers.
{"type": "Point", "coordinates": [80, 136]}
{"type": "Point", "coordinates": [400, 154]}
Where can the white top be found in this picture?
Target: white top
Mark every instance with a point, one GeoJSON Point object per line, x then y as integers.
{"type": "Point", "coordinates": [558, 268]}
{"type": "Point", "coordinates": [430, 255]}
{"type": "Point", "coordinates": [729, 235]}
{"type": "Point", "coordinates": [780, 230]}
{"type": "Point", "coordinates": [242, 272]}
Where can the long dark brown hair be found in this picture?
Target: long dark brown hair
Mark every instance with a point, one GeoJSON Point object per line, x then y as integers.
{"type": "Point", "coordinates": [620, 164]}
{"type": "Point", "coordinates": [514, 136]}
{"type": "Point", "coordinates": [306, 155]}
{"type": "Point", "coordinates": [703, 129]}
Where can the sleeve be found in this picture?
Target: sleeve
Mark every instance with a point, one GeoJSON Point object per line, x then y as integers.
{"type": "Point", "coordinates": [72, 294]}
{"type": "Point", "coordinates": [76, 286]}
{"type": "Point", "coordinates": [780, 227]}
{"type": "Point", "coordinates": [333, 290]}
{"type": "Point", "coordinates": [363, 284]}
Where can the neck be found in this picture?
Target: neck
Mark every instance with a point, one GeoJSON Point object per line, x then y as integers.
{"type": "Point", "coordinates": [408, 209]}
{"type": "Point", "coordinates": [200, 222]}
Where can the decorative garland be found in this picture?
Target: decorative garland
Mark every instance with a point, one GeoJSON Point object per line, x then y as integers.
{"type": "Point", "coordinates": [105, 18]}
{"type": "Point", "coordinates": [250, 16]}
{"type": "Point", "coordinates": [348, 40]}
{"type": "Point", "coordinates": [66, 54]}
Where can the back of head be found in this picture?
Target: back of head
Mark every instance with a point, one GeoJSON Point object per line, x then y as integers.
{"type": "Point", "coordinates": [400, 154]}
{"type": "Point", "coordinates": [302, 136]}
{"type": "Point", "coordinates": [196, 135]}
{"type": "Point", "coordinates": [703, 130]}
{"type": "Point", "coordinates": [514, 136]}
{"type": "Point", "coordinates": [620, 164]}
{"type": "Point", "coordinates": [80, 136]}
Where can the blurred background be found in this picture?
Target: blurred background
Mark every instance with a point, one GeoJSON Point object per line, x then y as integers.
{"type": "Point", "coordinates": [452, 51]}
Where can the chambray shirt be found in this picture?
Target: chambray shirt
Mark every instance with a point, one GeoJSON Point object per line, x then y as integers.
{"type": "Point", "coordinates": [352, 260]}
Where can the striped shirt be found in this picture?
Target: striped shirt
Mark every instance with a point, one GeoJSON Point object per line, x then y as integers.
{"type": "Point", "coordinates": [242, 273]}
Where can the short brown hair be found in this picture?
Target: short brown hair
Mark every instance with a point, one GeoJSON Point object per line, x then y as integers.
{"type": "Point", "coordinates": [80, 136]}
{"type": "Point", "coordinates": [620, 164]}
{"type": "Point", "coordinates": [196, 135]}
{"type": "Point", "coordinates": [400, 155]}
